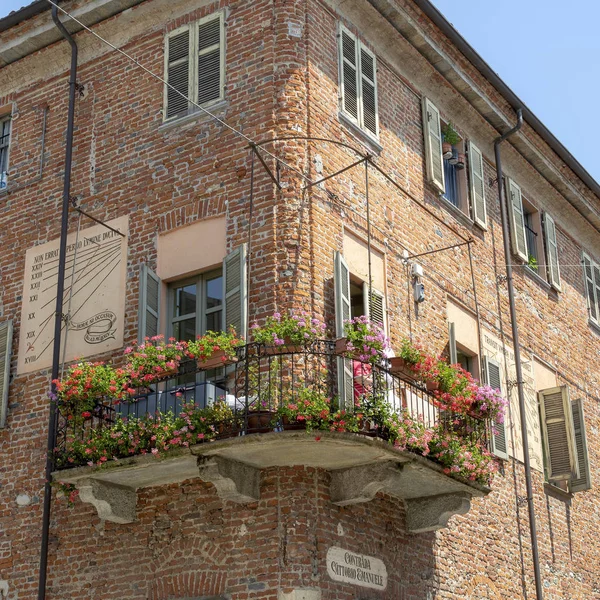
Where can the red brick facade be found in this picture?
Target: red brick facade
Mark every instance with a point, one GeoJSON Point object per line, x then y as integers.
{"type": "Point", "coordinates": [187, 543]}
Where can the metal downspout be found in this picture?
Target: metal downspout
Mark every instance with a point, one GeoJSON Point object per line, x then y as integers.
{"type": "Point", "coordinates": [58, 320]}
{"type": "Point", "coordinates": [516, 348]}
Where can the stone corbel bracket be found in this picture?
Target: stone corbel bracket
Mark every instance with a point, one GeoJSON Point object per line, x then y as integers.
{"type": "Point", "coordinates": [114, 502]}
{"type": "Point", "coordinates": [234, 481]}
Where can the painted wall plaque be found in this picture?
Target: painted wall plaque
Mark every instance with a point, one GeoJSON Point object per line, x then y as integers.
{"type": "Point", "coordinates": [357, 569]}
{"type": "Point", "coordinates": [94, 297]}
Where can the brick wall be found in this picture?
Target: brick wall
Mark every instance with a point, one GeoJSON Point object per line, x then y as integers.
{"type": "Point", "coordinates": [187, 543]}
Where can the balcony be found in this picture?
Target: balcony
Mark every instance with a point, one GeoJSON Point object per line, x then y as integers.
{"type": "Point", "coordinates": [251, 433]}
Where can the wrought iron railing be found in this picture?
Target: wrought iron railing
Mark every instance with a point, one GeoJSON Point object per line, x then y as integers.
{"type": "Point", "coordinates": [265, 377]}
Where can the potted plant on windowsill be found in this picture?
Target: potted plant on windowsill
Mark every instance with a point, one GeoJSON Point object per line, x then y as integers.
{"type": "Point", "coordinates": [215, 348]}
{"type": "Point", "coordinates": [450, 140]}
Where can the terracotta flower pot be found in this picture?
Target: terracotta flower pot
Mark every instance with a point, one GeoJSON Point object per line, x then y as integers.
{"type": "Point", "coordinates": [288, 347]}
{"type": "Point", "coordinates": [398, 366]}
{"type": "Point", "coordinates": [292, 425]}
{"type": "Point", "coordinates": [432, 386]}
{"type": "Point", "coordinates": [460, 162]}
{"type": "Point", "coordinates": [217, 359]}
{"type": "Point", "coordinates": [446, 150]}
{"type": "Point", "coordinates": [259, 421]}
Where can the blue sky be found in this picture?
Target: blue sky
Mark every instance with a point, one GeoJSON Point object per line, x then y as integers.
{"type": "Point", "coordinates": [545, 50]}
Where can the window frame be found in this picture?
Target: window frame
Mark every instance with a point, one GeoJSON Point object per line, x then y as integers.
{"type": "Point", "coordinates": [6, 118]}
{"type": "Point", "coordinates": [193, 54]}
{"type": "Point", "coordinates": [594, 265]}
{"type": "Point", "coordinates": [201, 312]}
{"type": "Point", "coordinates": [359, 47]}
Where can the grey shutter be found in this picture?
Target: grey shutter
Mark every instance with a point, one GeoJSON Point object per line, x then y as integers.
{"type": "Point", "coordinates": [210, 48]}
{"type": "Point", "coordinates": [499, 439]}
{"type": "Point", "coordinates": [559, 434]}
{"type": "Point", "coordinates": [590, 287]}
{"type": "Point", "coordinates": [178, 73]}
{"type": "Point", "coordinates": [375, 308]}
{"type": "Point", "coordinates": [6, 331]}
{"type": "Point", "coordinates": [345, 374]}
{"type": "Point", "coordinates": [452, 344]}
{"type": "Point", "coordinates": [477, 185]}
{"type": "Point", "coordinates": [433, 145]}
{"type": "Point", "coordinates": [596, 272]}
{"type": "Point", "coordinates": [348, 73]}
{"type": "Point", "coordinates": [368, 91]}
{"type": "Point", "coordinates": [552, 251]}
{"type": "Point", "coordinates": [149, 306]}
{"type": "Point", "coordinates": [235, 290]}
{"type": "Point", "coordinates": [517, 219]}
{"type": "Point", "coordinates": [584, 481]}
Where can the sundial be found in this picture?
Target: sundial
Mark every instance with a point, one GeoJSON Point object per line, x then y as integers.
{"type": "Point", "coordinates": [94, 296]}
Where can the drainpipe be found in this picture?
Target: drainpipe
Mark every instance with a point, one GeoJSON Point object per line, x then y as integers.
{"type": "Point", "coordinates": [58, 320]}
{"type": "Point", "coordinates": [516, 348]}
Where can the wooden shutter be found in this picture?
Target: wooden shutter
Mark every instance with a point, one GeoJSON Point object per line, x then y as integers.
{"type": "Point", "coordinates": [552, 251]}
{"type": "Point", "coordinates": [368, 91]}
{"type": "Point", "coordinates": [433, 145]}
{"type": "Point", "coordinates": [559, 434]}
{"type": "Point", "coordinates": [375, 308]}
{"type": "Point", "coordinates": [590, 286]}
{"type": "Point", "coordinates": [6, 331]}
{"type": "Point", "coordinates": [149, 304]}
{"type": "Point", "coordinates": [235, 290]}
{"type": "Point", "coordinates": [477, 185]}
{"type": "Point", "coordinates": [210, 67]}
{"type": "Point", "coordinates": [452, 344]}
{"type": "Point", "coordinates": [349, 73]}
{"type": "Point", "coordinates": [517, 219]}
{"type": "Point", "coordinates": [345, 375]}
{"type": "Point", "coordinates": [177, 59]}
{"type": "Point", "coordinates": [499, 438]}
{"type": "Point", "coordinates": [584, 481]}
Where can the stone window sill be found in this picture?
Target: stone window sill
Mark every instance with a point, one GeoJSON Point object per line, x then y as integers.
{"type": "Point", "coordinates": [366, 139]}
{"type": "Point", "coordinates": [198, 116]}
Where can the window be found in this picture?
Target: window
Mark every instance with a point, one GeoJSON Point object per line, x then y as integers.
{"type": "Point", "coordinates": [565, 447]}
{"type": "Point", "coordinates": [358, 82]}
{"type": "Point", "coordinates": [194, 66]}
{"type": "Point", "coordinates": [196, 306]}
{"type": "Point", "coordinates": [448, 172]}
{"type": "Point", "coordinates": [533, 238]}
{"type": "Point", "coordinates": [4, 146]}
{"type": "Point", "coordinates": [591, 272]}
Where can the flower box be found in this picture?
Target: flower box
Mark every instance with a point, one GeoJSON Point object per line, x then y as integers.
{"type": "Point", "coordinates": [399, 366]}
{"type": "Point", "coordinates": [218, 359]}
{"type": "Point", "coordinates": [288, 347]}
{"type": "Point", "coordinates": [260, 421]}
{"type": "Point", "coordinates": [432, 386]}
{"type": "Point", "coordinates": [289, 425]}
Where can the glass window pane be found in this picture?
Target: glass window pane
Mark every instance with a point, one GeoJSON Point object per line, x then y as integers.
{"type": "Point", "coordinates": [214, 292]}
{"type": "Point", "coordinates": [213, 321]}
{"type": "Point", "coordinates": [185, 300]}
{"type": "Point", "coordinates": [185, 330]}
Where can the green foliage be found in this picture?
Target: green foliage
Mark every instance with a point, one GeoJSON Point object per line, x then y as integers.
{"type": "Point", "coordinates": [213, 341]}
{"type": "Point", "coordinates": [450, 134]}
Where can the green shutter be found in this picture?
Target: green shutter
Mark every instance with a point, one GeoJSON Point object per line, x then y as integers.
{"type": "Point", "coordinates": [477, 185]}
{"type": "Point", "coordinates": [517, 219]}
{"type": "Point", "coordinates": [149, 304]}
{"type": "Point", "coordinates": [559, 434]}
{"type": "Point", "coordinates": [345, 375]}
{"type": "Point", "coordinates": [177, 72]}
{"type": "Point", "coordinates": [590, 286]}
{"type": "Point", "coordinates": [552, 251]}
{"type": "Point", "coordinates": [433, 145]}
{"type": "Point", "coordinates": [368, 91]}
{"type": "Point", "coordinates": [375, 307]}
{"type": "Point", "coordinates": [235, 291]}
{"type": "Point", "coordinates": [584, 481]}
{"type": "Point", "coordinates": [6, 331]}
{"type": "Point", "coordinates": [499, 437]}
{"type": "Point", "coordinates": [348, 73]}
{"type": "Point", "coordinates": [452, 344]}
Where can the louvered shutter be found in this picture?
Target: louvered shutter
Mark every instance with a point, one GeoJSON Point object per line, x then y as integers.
{"type": "Point", "coordinates": [149, 304]}
{"type": "Point", "coordinates": [433, 145]}
{"type": "Point", "coordinates": [235, 290]}
{"type": "Point", "coordinates": [345, 375]}
{"type": "Point", "coordinates": [452, 344]}
{"type": "Point", "coordinates": [375, 308]}
{"type": "Point", "coordinates": [6, 330]}
{"type": "Point", "coordinates": [517, 219]}
{"type": "Point", "coordinates": [178, 72]}
{"type": "Point", "coordinates": [210, 60]}
{"type": "Point", "coordinates": [559, 434]}
{"type": "Point", "coordinates": [584, 481]}
{"type": "Point", "coordinates": [368, 91]}
{"type": "Point", "coordinates": [348, 73]}
{"type": "Point", "coordinates": [590, 287]}
{"type": "Point", "coordinates": [552, 251]}
{"type": "Point", "coordinates": [499, 438]}
{"type": "Point", "coordinates": [477, 185]}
